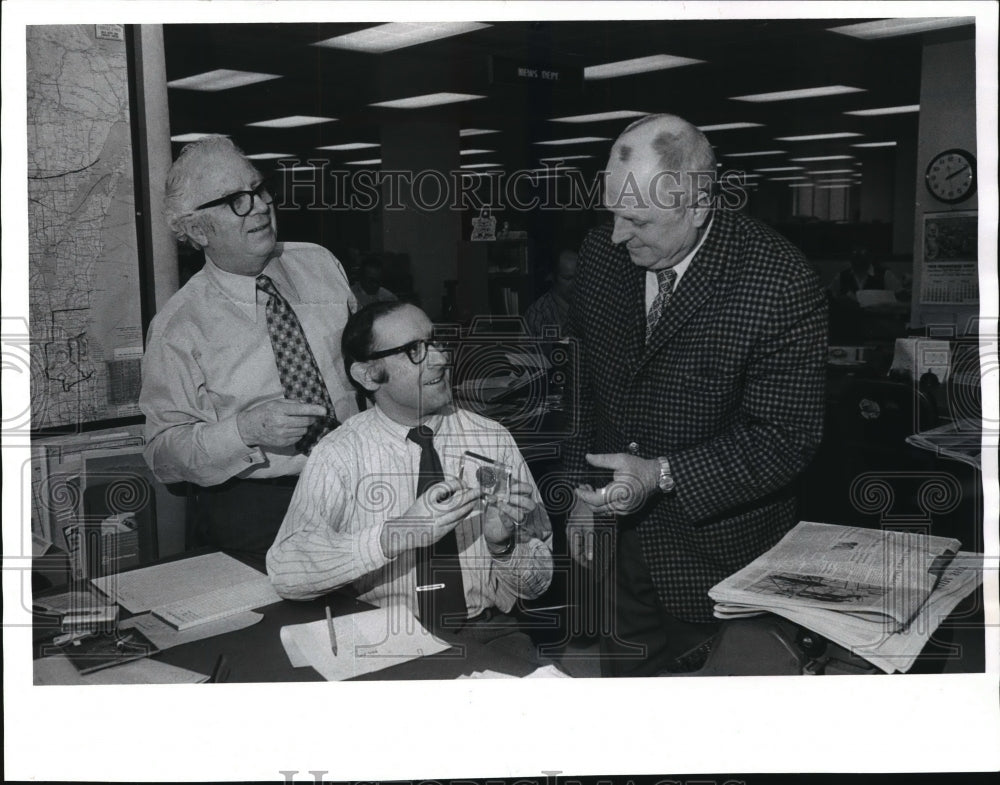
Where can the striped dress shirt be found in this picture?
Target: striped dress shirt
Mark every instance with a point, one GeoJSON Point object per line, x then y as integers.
{"type": "Point", "coordinates": [364, 474]}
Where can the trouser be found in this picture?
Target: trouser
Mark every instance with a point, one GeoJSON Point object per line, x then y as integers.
{"type": "Point", "coordinates": [242, 515]}
{"type": "Point", "coordinates": [645, 640]}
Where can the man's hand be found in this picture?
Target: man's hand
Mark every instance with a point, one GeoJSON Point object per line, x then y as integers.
{"type": "Point", "coordinates": [277, 423]}
{"type": "Point", "coordinates": [634, 481]}
{"type": "Point", "coordinates": [503, 514]}
{"type": "Point", "coordinates": [435, 513]}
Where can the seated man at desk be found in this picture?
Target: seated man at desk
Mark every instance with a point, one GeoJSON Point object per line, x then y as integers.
{"type": "Point", "coordinates": [393, 504]}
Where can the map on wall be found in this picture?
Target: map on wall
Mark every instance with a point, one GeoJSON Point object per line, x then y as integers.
{"type": "Point", "coordinates": [84, 294]}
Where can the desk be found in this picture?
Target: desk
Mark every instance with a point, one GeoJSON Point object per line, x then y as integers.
{"type": "Point", "coordinates": [256, 654]}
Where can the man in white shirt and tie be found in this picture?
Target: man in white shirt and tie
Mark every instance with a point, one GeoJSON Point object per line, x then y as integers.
{"type": "Point", "coordinates": [242, 371]}
{"type": "Point", "coordinates": [368, 513]}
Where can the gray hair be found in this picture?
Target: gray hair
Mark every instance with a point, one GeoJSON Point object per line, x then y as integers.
{"type": "Point", "coordinates": [183, 172]}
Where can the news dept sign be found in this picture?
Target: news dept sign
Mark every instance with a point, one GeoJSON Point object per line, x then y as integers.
{"type": "Point", "coordinates": [512, 71]}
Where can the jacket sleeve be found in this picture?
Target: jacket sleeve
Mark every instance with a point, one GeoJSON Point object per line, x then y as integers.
{"type": "Point", "coordinates": [579, 387]}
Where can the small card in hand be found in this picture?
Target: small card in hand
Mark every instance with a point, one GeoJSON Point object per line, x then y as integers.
{"type": "Point", "coordinates": [103, 650]}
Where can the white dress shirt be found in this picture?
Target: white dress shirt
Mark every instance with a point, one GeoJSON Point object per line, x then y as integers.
{"type": "Point", "coordinates": [208, 357]}
{"type": "Point", "coordinates": [364, 474]}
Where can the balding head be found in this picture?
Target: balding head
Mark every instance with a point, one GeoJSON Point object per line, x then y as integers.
{"type": "Point", "coordinates": [674, 143]}
{"type": "Point", "coordinates": [659, 186]}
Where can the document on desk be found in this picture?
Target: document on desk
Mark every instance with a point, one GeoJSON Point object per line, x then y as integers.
{"type": "Point", "coordinates": [366, 642]}
{"type": "Point", "coordinates": [191, 591]}
{"type": "Point", "coordinates": [166, 636]}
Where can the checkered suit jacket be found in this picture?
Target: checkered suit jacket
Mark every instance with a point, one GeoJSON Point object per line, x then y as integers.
{"type": "Point", "coordinates": [730, 390]}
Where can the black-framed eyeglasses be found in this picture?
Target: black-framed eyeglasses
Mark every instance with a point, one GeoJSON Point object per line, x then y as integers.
{"type": "Point", "coordinates": [415, 350]}
{"type": "Point", "coordinates": [241, 202]}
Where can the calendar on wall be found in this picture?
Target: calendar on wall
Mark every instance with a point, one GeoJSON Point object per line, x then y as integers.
{"type": "Point", "coordinates": [950, 258]}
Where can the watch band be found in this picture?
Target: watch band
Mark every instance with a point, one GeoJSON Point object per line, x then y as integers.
{"type": "Point", "coordinates": [665, 482]}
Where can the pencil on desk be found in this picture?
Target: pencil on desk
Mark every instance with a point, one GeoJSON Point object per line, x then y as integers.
{"type": "Point", "coordinates": [333, 633]}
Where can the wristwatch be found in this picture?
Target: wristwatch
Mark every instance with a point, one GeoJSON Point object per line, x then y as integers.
{"type": "Point", "coordinates": [665, 482]}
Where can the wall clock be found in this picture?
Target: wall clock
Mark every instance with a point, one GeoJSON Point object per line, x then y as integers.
{"type": "Point", "coordinates": [951, 175]}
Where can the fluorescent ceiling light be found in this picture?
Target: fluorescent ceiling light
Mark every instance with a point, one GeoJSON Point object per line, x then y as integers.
{"type": "Point", "coordinates": [480, 166]}
{"type": "Point", "coordinates": [431, 99]}
{"type": "Point", "coordinates": [755, 152]}
{"type": "Point", "coordinates": [885, 110]}
{"type": "Point", "coordinates": [836, 180]}
{"type": "Point", "coordinates": [474, 151]}
{"type": "Point", "coordinates": [477, 131]}
{"type": "Point", "coordinates": [834, 171]}
{"type": "Point", "coordinates": [398, 35]}
{"type": "Point", "coordinates": [192, 137]}
{"type": "Point", "coordinates": [637, 65]}
{"type": "Point", "coordinates": [728, 126]}
{"type": "Point", "coordinates": [779, 168]}
{"type": "Point", "coordinates": [875, 144]}
{"type": "Point", "coordinates": [833, 186]}
{"type": "Point", "coordinates": [299, 168]}
{"type": "Point", "coordinates": [789, 95]}
{"type": "Point", "coordinates": [565, 158]}
{"type": "Point", "coordinates": [794, 177]}
{"type": "Point", "coordinates": [800, 185]}
{"type": "Point", "coordinates": [348, 146]}
{"type": "Point", "coordinates": [220, 79]}
{"type": "Point", "coordinates": [366, 162]}
{"type": "Point", "coordinates": [292, 121]}
{"type": "Point", "coordinates": [886, 28]}
{"type": "Point", "coordinates": [816, 137]}
{"type": "Point", "coordinates": [823, 158]}
{"type": "Point", "coordinates": [268, 156]}
{"type": "Point", "coordinates": [621, 114]}
{"type": "Point", "coordinates": [576, 140]}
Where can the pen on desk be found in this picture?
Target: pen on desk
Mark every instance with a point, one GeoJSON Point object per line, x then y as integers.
{"type": "Point", "coordinates": [329, 629]}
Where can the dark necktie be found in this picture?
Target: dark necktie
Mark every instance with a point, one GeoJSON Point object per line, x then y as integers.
{"type": "Point", "coordinates": [665, 281]}
{"type": "Point", "coordinates": [443, 607]}
{"type": "Point", "coordinates": [297, 369]}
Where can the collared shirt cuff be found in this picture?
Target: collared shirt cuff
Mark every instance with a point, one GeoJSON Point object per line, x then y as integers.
{"type": "Point", "coordinates": [226, 443]}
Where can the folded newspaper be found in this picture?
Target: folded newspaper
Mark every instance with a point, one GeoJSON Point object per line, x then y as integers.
{"type": "Point", "coordinates": [880, 594]}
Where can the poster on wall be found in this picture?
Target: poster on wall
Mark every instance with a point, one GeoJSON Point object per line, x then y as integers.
{"type": "Point", "coordinates": [950, 274]}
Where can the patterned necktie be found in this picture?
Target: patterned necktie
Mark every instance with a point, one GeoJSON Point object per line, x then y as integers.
{"type": "Point", "coordinates": [665, 280]}
{"type": "Point", "coordinates": [440, 588]}
{"type": "Point", "coordinates": [297, 368]}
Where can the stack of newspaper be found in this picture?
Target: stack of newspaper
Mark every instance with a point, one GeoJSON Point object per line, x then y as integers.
{"type": "Point", "coordinates": [880, 594]}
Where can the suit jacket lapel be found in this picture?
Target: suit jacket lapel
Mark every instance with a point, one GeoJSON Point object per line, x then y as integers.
{"type": "Point", "coordinates": [694, 288]}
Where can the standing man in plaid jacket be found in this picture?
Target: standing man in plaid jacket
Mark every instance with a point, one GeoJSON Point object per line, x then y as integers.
{"type": "Point", "coordinates": [703, 338]}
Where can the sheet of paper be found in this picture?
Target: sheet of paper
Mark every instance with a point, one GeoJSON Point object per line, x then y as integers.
{"type": "Point", "coordinates": [163, 584]}
{"type": "Point", "coordinates": [59, 670]}
{"type": "Point", "coordinates": [219, 604]}
{"type": "Point", "coordinates": [869, 298]}
{"type": "Point", "coordinates": [164, 636]}
{"type": "Point", "coordinates": [366, 642]}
